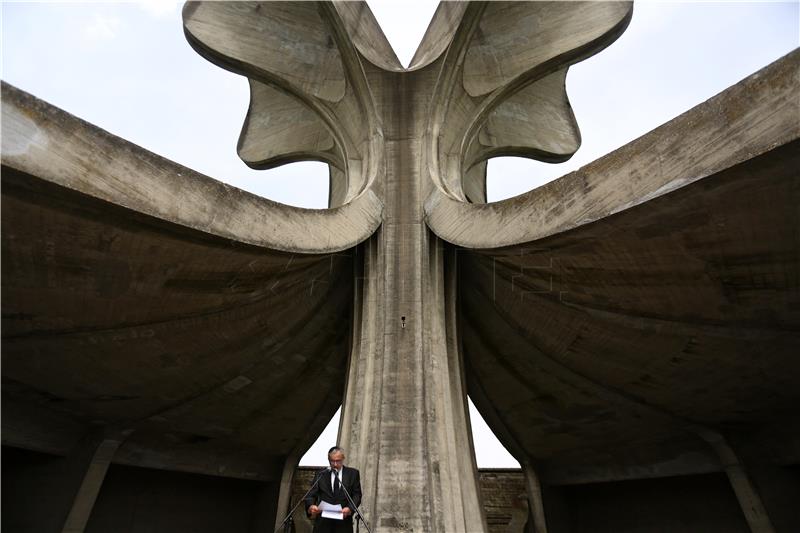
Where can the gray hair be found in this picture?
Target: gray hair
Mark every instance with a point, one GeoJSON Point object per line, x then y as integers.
{"type": "Point", "coordinates": [336, 449]}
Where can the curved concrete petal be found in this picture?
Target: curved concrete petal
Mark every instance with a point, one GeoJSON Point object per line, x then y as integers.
{"type": "Point", "coordinates": [516, 37]}
{"type": "Point", "coordinates": [367, 35]}
{"type": "Point", "coordinates": [309, 95]}
{"type": "Point", "coordinates": [439, 34]}
{"type": "Point", "coordinates": [53, 146]}
{"type": "Point", "coordinates": [287, 42]}
{"type": "Point", "coordinates": [686, 149]}
{"type": "Point", "coordinates": [603, 347]}
{"type": "Point", "coordinates": [369, 39]}
{"type": "Point", "coordinates": [501, 89]}
{"type": "Point", "coordinates": [536, 122]}
{"type": "Point", "coordinates": [135, 296]}
{"type": "Point", "coordinates": [280, 128]}
{"type": "Point", "coordinates": [195, 341]}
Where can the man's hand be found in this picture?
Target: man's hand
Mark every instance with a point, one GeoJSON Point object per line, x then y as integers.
{"type": "Point", "coordinates": [346, 511]}
{"type": "Point", "coordinates": [314, 511]}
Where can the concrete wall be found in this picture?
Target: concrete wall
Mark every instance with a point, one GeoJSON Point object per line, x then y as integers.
{"type": "Point", "coordinates": [133, 500]}
{"type": "Point", "coordinates": [138, 500]}
{"type": "Point", "coordinates": [32, 483]}
{"type": "Point", "coordinates": [779, 488]}
{"type": "Point", "coordinates": [686, 504]}
{"type": "Point", "coordinates": [703, 503]}
{"type": "Point", "coordinates": [502, 492]}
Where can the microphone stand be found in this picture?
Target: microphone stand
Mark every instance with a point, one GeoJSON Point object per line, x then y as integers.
{"type": "Point", "coordinates": [350, 501]}
{"type": "Point", "coordinates": [287, 522]}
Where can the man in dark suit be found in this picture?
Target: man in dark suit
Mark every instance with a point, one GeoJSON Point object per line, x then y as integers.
{"type": "Point", "coordinates": [329, 485]}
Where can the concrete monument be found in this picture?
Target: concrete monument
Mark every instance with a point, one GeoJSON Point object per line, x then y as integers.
{"type": "Point", "coordinates": [635, 319]}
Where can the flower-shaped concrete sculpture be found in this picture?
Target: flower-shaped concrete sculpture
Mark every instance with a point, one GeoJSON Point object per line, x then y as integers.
{"type": "Point", "coordinates": [634, 319]}
{"type": "Point", "coordinates": [488, 79]}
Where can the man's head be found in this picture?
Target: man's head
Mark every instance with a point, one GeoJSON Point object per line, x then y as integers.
{"type": "Point", "coordinates": [336, 457]}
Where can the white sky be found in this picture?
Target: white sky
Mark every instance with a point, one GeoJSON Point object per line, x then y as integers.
{"type": "Point", "coordinates": [127, 68]}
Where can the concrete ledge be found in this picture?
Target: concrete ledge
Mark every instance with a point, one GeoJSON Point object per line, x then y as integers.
{"type": "Point", "coordinates": [44, 141]}
{"type": "Point", "coordinates": [754, 116]}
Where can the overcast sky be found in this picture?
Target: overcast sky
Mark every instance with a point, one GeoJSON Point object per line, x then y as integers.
{"type": "Point", "coordinates": [127, 68]}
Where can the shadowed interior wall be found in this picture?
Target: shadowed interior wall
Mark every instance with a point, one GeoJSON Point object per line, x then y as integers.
{"type": "Point", "coordinates": [780, 490]}
{"type": "Point", "coordinates": [137, 500]}
{"type": "Point", "coordinates": [27, 477]}
{"type": "Point", "coordinates": [687, 504]}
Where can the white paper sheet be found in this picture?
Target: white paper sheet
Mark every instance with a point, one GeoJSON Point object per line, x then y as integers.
{"type": "Point", "coordinates": [331, 511]}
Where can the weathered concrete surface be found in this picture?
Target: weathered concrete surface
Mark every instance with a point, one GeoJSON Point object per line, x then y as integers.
{"type": "Point", "coordinates": [703, 503]}
{"type": "Point", "coordinates": [401, 133]}
{"type": "Point", "coordinates": [140, 295]}
{"type": "Point", "coordinates": [647, 305]}
{"type": "Point", "coordinates": [54, 146]}
{"type": "Point", "coordinates": [600, 324]}
{"type": "Point", "coordinates": [308, 61]}
{"type": "Point", "coordinates": [750, 118]}
{"type": "Point", "coordinates": [502, 491]}
{"type": "Point", "coordinates": [699, 279]}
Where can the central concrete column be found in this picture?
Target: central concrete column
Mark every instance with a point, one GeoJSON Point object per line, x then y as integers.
{"type": "Point", "coordinates": [405, 421]}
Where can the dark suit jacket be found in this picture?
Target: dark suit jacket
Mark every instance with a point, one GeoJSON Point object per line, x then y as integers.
{"type": "Point", "coordinates": [323, 490]}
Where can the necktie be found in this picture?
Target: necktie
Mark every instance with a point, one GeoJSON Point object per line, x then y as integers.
{"type": "Point", "coordinates": [336, 483]}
